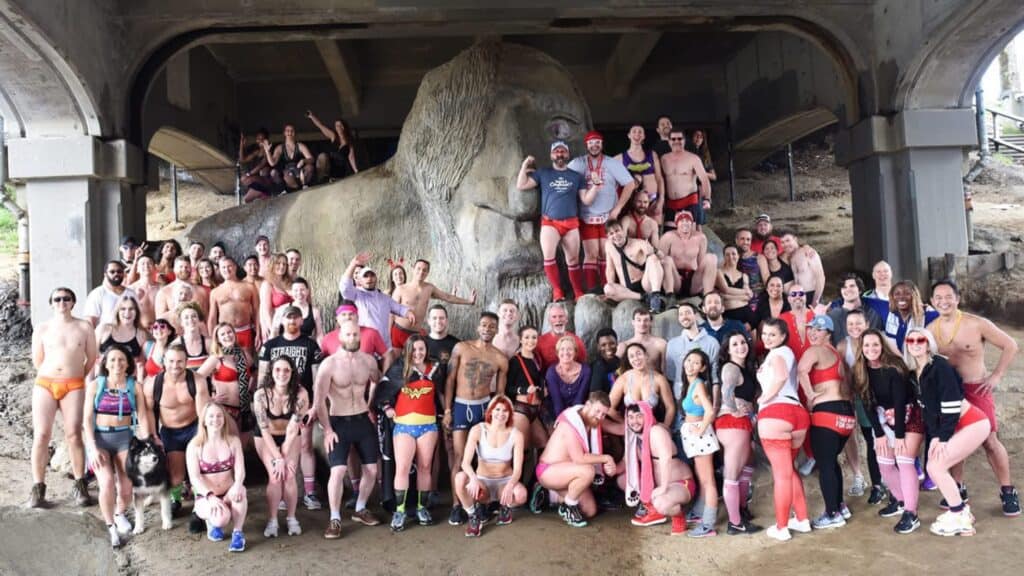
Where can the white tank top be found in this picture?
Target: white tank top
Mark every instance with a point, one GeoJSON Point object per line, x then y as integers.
{"type": "Point", "coordinates": [787, 394]}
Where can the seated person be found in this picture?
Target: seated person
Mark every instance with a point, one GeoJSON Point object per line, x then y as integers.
{"type": "Point", "coordinates": [291, 161]}
{"type": "Point", "coordinates": [633, 269]}
{"type": "Point", "coordinates": [693, 269]}
{"type": "Point", "coordinates": [340, 159]}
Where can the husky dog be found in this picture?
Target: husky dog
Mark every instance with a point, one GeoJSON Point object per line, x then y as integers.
{"type": "Point", "coordinates": [147, 468]}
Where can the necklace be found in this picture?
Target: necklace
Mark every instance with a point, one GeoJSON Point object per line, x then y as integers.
{"type": "Point", "coordinates": [956, 328]}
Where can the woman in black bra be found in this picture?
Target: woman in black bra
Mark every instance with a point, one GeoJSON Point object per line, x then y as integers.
{"type": "Point", "coordinates": [772, 266]}
{"type": "Point", "coordinates": [525, 384]}
{"type": "Point", "coordinates": [734, 286]}
{"type": "Point", "coordinates": [126, 331]}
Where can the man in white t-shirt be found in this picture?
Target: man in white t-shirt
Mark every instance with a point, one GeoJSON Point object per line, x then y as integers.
{"type": "Point", "coordinates": [101, 304]}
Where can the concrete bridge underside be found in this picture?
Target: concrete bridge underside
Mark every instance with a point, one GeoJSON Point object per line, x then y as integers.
{"type": "Point", "coordinates": [85, 85]}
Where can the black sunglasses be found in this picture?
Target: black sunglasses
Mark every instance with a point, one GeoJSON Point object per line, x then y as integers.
{"type": "Point", "coordinates": [56, 299]}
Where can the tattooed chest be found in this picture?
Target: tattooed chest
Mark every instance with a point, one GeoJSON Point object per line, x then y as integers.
{"type": "Point", "coordinates": [479, 373]}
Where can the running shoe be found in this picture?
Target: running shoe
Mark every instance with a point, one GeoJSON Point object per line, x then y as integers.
{"type": "Point", "coordinates": [953, 524]}
{"type": "Point", "coordinates": [562, 511]}
{"type": "Point", "coordinates": [858, 486]}
{"type": "Point", "coordinates": [656, 302]}
{"type": "Point", "coordinates": [651, 518]}
{"type": "Point", "coordinates": [458, 516]}
{"type": "Point", "coordinates": [80, 493]}
{"type": "Point", "coordinates": [928, 485]}
{"type": "Point", "coordinates": [702, 531]}
{"type": "Point", "coordinates": [827, 521]}
{"type": "Point", "coordinates": [743, 527]}
{"type": "Point", "coordinates": [678, 525]}
{"type": "Point", "coordinates": [365, 517]}
{"type": "Point", "coordinates": [294, 529]}
{"type": "Point", "coordinates": [844, 510]}
{"type": "Point", "coordinates": [780, 534]}
{"type": "Point", "coordinates": [115, 538]}
{"type": "Point", "coordinates": [801, 526]}
{"type": "Point", "coordinates": [398, 521]}
{"type": "Point", "coordinates": [122, 524]}
{"type": "Point", "coordinates": [311, 502]}
{"type": "Point", "coordinates": [196, 525]}
{"type": "Point", "coordinates": [482, 512]}
{"type": "Point", "coordinates": [693, 518]}
{"type": "Point", "coordinates": [538, 498]}
{"type": "Point", "coordinates": [908, 523]}
{"type": "Point", "coordinates": [1011, 502]}
{"type": "Point", "coordinates": [214, 534]}
{"type": "Point", "coordinates": [504, 516]}
{"type": "Point", "coordinates": [746, 515]}
{"type": "Point", "coordinates": [640, 511]}
{"type": "Point", "coordinates": [37, 497]}
{"type": "Point", "coordinates": [423, 517]}
{"type": "Point", "coordinates": [271, 530]}
{"type": "Point", "coordinates": [963, 496]}
{"type": "Point", "coordinates": [807, 467]}
{"type": "Point", "coordinates": [474, 526]}
{"type": "Point", "coordinates": [574, 516]}
{"type": "Point", "coordinates": [333, 531]}
{"type": "Point", "coordinates": [237, 542]}
{"type": "Point", "coordinates": [877, 495]}
{"type": "Point", "coordinates": [893, 508]}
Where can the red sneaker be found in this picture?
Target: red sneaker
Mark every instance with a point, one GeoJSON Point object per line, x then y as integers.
{"type": "Point", "coordinates": [650, 519]}
{"type": "Point", "coordinates": [678, 525]}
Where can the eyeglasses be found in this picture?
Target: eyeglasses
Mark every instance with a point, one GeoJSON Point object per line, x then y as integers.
{"type": "Point", "coordinates": [57, 299]}
{"type": "Point", "coordinates": [676, 139]}
{"type": "Point", "coordinates": [160, 326]}
{"type": "Point", "coordinates": [916, 341]}
{"type": "Point", "coordinates": [797, 293]}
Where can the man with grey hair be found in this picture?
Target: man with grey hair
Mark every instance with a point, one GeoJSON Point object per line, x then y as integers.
{"type": "Point", "coordinates": [558, 324]}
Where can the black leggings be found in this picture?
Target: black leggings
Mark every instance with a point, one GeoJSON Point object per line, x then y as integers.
{"type": "Point", "coordinates": [827, 445]}
{"type": "Point", "coordinates": [869, 439]}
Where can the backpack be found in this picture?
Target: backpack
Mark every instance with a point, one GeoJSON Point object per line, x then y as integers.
{"type": "Point", "coordinates": [158, 392]}
{"type": "Point", "coordinates": [101, 383]}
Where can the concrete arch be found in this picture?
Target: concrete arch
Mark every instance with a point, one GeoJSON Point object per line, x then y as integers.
{"type": "Point", "coordinates": [205, 162]}
{"type": "Point", "coordinates": [948, 68]}
{"type": "Point", "coordinates": [40, 93]}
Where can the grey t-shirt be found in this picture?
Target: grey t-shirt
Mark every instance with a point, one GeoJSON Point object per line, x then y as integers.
{"type": "Point", "coordinates": [613, 174]}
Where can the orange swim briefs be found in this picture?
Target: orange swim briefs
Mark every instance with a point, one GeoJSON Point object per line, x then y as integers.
{"type": "Point", "coordinates": [59, 387]}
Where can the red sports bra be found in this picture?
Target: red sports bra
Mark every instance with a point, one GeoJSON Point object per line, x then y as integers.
{"type": "Point", "coordinates": [826, 374]}
{"type": "Point", "coordinates": [225, 373]}
{"type": "Point", "coordinates": [278, 297]}
{"type": "Point", "coordinates": [152, 368]}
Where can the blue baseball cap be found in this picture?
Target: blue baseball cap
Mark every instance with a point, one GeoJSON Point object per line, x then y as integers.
{"type": "Point", "coordinates": [822, 322]}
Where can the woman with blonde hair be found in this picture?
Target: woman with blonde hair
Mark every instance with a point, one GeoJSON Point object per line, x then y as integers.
{"type": "Point", "coordinates": [216, 471]}
{"type": "Point", "coordinates": [275, 293]}
{"type": "Point", "coordinates": [568, 380]}
{"type": "Point", "coordinates": [227, 368]}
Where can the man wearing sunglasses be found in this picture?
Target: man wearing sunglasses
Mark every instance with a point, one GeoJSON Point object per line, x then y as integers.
{"type": "Point", "coordinates": [686, 183]}
{"type": "Point", "coordinates": [101, 304]}
{"type": "Point", "coordinates": [797, 319]}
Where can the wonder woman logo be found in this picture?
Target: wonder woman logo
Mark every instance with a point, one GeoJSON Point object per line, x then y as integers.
{"type": "Point", "coordinates": [416, 393]}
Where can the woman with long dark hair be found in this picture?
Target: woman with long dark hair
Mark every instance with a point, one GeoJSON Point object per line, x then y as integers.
{"type": "Point", "coordinates": [734, 428]}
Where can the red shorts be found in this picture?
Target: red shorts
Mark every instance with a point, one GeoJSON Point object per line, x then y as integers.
{"type": "Point", "coordinates": [982, 401]}
{"type": "Point", "coordinates": [690, 486]}
{"type": "Point", "coordinates": [592, 231]}
{"type": "Point", "coordinates": [792, 413]}
{"type": "Point", "coordinates": [839, 423]}
{"type": "Point", "coordinates": [730, 422]}
{"type": "Point", "coordinates": [399, 336]}
{"type": "Point", "coordinates": [244, 337]}
{"type": "Point", "coordinates": [563, 227]}
{"type": "Point", "coordinates": [678, 204]}
{"type": "Point", "coordinates": [973, 416]}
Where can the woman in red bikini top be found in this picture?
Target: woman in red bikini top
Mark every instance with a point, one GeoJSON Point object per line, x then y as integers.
{"type": "Point", "coordinates": [274, 293]}
{"type": "Point", "coordinates": [162, 334]}
{"type": "Point", "coordinates": [227, 369]}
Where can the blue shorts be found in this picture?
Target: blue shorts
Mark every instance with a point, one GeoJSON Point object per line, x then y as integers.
{"type": "Point", "coordinates": [177, 439]}
{"type": "Point", "coordinates": [467, 413]}
{"type": "Point", "coordinates": [414, 430]}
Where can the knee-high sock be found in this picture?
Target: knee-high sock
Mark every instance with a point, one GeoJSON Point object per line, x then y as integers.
{"type": "Point", "coordinates": [746, 477]}
{"type": "Point", "coordinates": [799, 499]}
{"type": "Point", "coordinates": [891, 476]}
{"type": "Point", "coordinates": [600, 271]}
{"type": "Point", "coordinates": [576, 279]}
{"type": "Point", "coordinates": [590, 276]}
{"type": "Point", "coordinates": [780, 456]}
{"type": "Point", "coordinates": [909, 483]}
{"type": "Point", "coordinates": [731, 494]}
{"type": "Point", "coordinates": [551, 271]}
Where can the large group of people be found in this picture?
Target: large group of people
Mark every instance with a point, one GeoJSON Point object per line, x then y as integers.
{"type": "Point", "coordinates": [208, 359]}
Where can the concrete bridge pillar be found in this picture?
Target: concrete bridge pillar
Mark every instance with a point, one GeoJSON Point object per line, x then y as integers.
{"type": "Point", "coordinates": [906, 179]}
{"type": "Point", "coordinates": [81, 200]}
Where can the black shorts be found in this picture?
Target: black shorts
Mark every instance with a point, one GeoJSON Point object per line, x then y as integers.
{"type": "Point", "coordinates": [177, 439]}
{"type": "Point", "coordinates": [354, 430]}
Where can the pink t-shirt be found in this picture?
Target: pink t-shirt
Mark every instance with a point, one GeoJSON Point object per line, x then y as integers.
{"type": "Point", "coordinates": [370, 342]}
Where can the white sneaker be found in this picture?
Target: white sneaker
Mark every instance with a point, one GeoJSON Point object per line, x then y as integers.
{"type": "Point", "coordinates": [801, 526]}
{"type": "Point", "coordinates": [271, 530]}
{"type": "Point", "coordinates": [858, 486]}
{"type": "Point", "coordinates": [780, 534]}
{"type": "Point", "coordinates": [953, 524]}
{"type": "Point", "coordinates": [115, 538]}
{"type": "Point", "coordinates": [122, 524]}
{"type": "Point", "coordinates": [293, 526]}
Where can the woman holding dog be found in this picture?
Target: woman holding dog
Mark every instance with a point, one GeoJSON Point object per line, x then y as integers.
{"type": "Point", "coordinates": [216, 469]}
{"type": "Point", "coordinates": [111, 418]}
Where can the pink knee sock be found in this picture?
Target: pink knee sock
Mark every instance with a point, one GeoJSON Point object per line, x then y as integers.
{"type": "Point", "coordinates": [891, 476]}
{"type": "Point", "coordinates": [731, 493]}
{"type": "Point", "coordinates": [909, 483]}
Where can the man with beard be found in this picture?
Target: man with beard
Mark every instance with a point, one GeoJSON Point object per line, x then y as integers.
{"type": "Point", "coordinates": [375, 307]}
{"type": "Point", "coordinates": [507, 339]}
{"type": "Point", "coordinates": [798, 319]}
{"type": "Point", "coordinates": [637, 223]}
{"type": "Point", "coordinates": [850, 292]}
{"type": "Point", "coordinates": [633, 270]}
{"type": "Point", "coordinates": [182, 277]}
{"type": "Point", "coordinates": [294, 262]}
{"type": "Point", "coordinates": [607, 176]}
{"type": "Point", "coordinates": [440, 345]}
{"type": "Point", "coordinates": [101, 304]}
{"type": "Point", "coordinates": [748, 259]}
{"type": "Point", "coordinates": [561, 192]}
{"type": "Point", "coordinates": [661, 145]}
{"type": "Point", "coordinates": [961, 338]}
{"type": "Point", "coordinates": [717, 325]}
{"type": "Point", "coordinates": [344, 386]}
{"type": "Point", "coordinates": [606, 365]}
{"type": "Point", "coordinates": [654, 345]}
{"type": "Point", "coordinates": [693, 269]}
{"type": "Point", "coordinates": [807, 268]}
{"type": "Point", "coordinates": [370, 341]}
{"type": "Point", "coordinates": [651, 474]}
{"type": "Point", "coordinates": [763, 233]}
{"type": "Point", "coordinates": [415, 295]}
{"type": "Point", "coordinates": [558, 322]}
{"type": "Point", "coordinates": [236, 303]}
{"type": "Point", "coordinates": [263, 254]}
{"type": "Point", "coordinates": [475, 368]}
{"type": "Point", "coordinates": [146, 288]}
{"type": "Point", "coordinates": [573, 459]}
{"type": "Point", "coordinates": [692, 337]}
{"type": "Point", "coordinates": [686, 183]}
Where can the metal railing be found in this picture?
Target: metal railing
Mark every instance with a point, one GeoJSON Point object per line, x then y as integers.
{"type": "Point", "coordinates": [994, 137]}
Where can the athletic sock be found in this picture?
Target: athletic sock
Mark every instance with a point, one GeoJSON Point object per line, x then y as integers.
{"type": "Point", "coordinates": [697, 508]}
{"type": "Point", "coordinates": [780, 455]}
{"type": "Point", "coordinates": [361, 502]}
{"type": "Point", "coordinates": [958, 508]}
{"type": "Point", "coordinates": [710, 516]}
{"type": "Point", "coordinates": [400, 499]}
{"type": "Point", "coordinates": [336, 515]}
{"type": "Point", "coordinates": [600, 271]}
{"type": "Point", "coordinates": [575, 278]}
{"type": "Point", "coordinates": [909, 484]}
{"type": "Point", "coordinates": [731, 494]}
{"type": "Point", "coordinates": [891, 476]}
{"type": "Point", "coordinates": [590, 276]}
{"type": "Point", "coordinates": [1005, 489]}
{"type": "Point", "coordinates": [422, 498]}
{"type": "Point", "coordinates": [176, 493]}
{"type": "Point", "coordinates": [308, 485]}
{"type": "Point", "coordinates": [571, 502]}
{"type": "Point", "coordinates": [551, 271]}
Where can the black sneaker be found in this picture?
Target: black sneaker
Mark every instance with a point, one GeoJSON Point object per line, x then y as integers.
{"type": "Point", "coordinates": [908, 523]}
{"type": "Point", "coordinates": [743, 527]}
{"type": "Point", "coordinates": [893, 508]}
{"type": "Point", "coordinates": [656, 302]}
{"type": "Point", "coordinates": [963, 496]}
{"type": "Point", "coordinates": [196, 524]}
{"type": "Point", "coordinates": [746, 515]}
{"type": "Point", "coordinates": [538, 498]}
{"type": "Point", "coordinates": [574, 516]}
{"type": "Point", "coordinates": [877, 495]}
{"type": "Point", "coordinates": [482, 512]}
{"type": "Point", "coordinates": [1011, 502]}
{"type": "Point", "coordinates": [458, 516]}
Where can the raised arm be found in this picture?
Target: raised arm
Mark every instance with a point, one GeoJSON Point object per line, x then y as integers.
{"type": "Point", "coordinates": [451, 298]}
{"type": "Point", "coordinates": [327, 132]}
{"type": "Point", "coordinates": [523, 180]}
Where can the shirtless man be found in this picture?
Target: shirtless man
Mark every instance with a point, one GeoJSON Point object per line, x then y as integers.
{"type": "Point", "coordinates": [646, 169]}
{"type": "Point", "coordinates": [176, 401]}
{"type": "Point", "coordinates": [263, 254]}
{"type": "Point", "coordinates": [507, 339]}
{"type": "Point", "coordinates": [63, 351]}
{"type": "Point", "coordinates": [182, 275]}
{"type": "Point", "coordinates": [637, 223]}
{"type": "Point", "coordinates": [689, 268]}
{"type": "Point", "coordinates": [475, 368]}
{"type": "Point", "coordinates": [342, 382]}
{"type": "Point", "coordinates": [633, 270]}
{"type": "Point", "coordinates": [673, 483]}
{"type": "Point", "coordinates": [961, 338]}
{"type": "Point", "coordinates": [236, 303]}
{"type": "Point", "coordinates": [686, 183]}
{"type": "Point", "coordinates": [807, 269]}
{"type": "Point", "coordinates": [608, 175]}
{"type": "Point", "coordinates": [146, 289]}
{"type": "Point", "coordinates": [415, 295]}
{"type": "Point", "coordinates": [569, 464]}
{"type": "Point", "coordinates": [654, 345]}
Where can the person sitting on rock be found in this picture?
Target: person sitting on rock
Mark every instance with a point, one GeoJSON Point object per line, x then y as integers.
{"type": "Point", "coordinates": [633, 270]}
{"type": "Point", "coordinates": [293, 164]}
{"type": "Point", "coordinates": [689, 268]}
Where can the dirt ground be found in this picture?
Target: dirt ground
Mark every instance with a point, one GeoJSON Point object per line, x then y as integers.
{"type": "Point", "coordinates": [543, 544]}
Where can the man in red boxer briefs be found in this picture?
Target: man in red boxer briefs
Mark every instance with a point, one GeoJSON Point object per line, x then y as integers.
{"type": "Point", "coordinates": [608, 175]}
{"type": "Point", "coordinates": [561, 192]}
{"type": "Point", "coordinates": [236, 303]}
{"type": "Point", "coordinates": [686, 183]}
{"type": "Point", "coordinates": [961, 338]}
